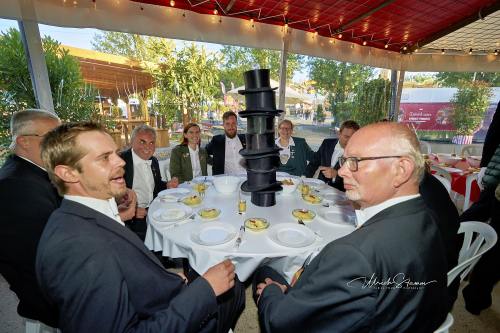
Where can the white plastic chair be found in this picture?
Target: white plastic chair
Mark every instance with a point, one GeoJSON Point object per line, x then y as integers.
{"type": "Point", "coordinates": [445, 181]}
{"type": "Point", "coordinates": [425, 147]}
{"type": "Point", "coordinates": [468, 189]}
{"type": "Point", "coordinates": [445, 326]}
{"type": "Point", "coordinates": [468, 150]}
{"type": "Point", "coordinates": [479, 237]}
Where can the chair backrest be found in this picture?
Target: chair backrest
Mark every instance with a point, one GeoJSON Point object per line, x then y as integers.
{"type": "Point", "coordinates": [468, 190]}
{"type": "Point", "coordinates": [445, 326]}
{"type": "Point", "coordinates": [425, 147]}
{"type": "Point", "coordinates": [445, 181]}
{"type": "Point", "coordinates": [479, 237]}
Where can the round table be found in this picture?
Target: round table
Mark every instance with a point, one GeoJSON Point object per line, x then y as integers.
{"type": "Point", "coordinates": [175, 239]}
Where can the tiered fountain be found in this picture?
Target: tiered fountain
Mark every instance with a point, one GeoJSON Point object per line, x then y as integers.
{"type": "Point", "coordinates": [261, 154]}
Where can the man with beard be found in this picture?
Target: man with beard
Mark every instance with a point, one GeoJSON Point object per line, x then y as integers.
{"type": "Point", "coordinates": [389, 275]}
{"type": "Point", "coordinates": [98, 273]}
{"type": "Point", "coordinates": [224, 148]}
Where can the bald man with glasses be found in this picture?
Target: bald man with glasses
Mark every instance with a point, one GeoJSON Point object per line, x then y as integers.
{"type": "Point", "coordinates": [389, 275]}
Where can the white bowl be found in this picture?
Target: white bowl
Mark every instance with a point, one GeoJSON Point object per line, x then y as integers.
{"type": "Point", "coordinates": [474, 161]}
{"type": "Point", "coordinates": [287, 189]}
{"type": "Point", "coordinates": [226, 184]}
{"type": "Point", "coordinates": [448, 159]}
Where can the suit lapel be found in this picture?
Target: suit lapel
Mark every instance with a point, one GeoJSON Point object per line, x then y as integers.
{"type": "Point", "coordinates": [104, 222]}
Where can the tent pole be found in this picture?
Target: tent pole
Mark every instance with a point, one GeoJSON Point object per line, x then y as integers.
{"type": "Point", "coordinates": [398, 95]}
{"type": "Point", "coordinates": [282, 87]}
{"type": "Point", "coordinates": [394, 83]}
{"type": "Point", "coordinates": [30, 35]}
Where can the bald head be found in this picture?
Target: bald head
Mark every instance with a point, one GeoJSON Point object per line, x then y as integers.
{"type": "Point", "coordinates": [397, 171]}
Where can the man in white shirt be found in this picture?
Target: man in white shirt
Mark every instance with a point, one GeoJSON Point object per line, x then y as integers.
{"type": "Point", "coordinates": [98, 273]}
{"type": "Point", "coordinates": [327, 157]}
{"type": "Point", "coordinates": [388, 275]}
{"type": "Point", "coordinates": [142, 174]}
{"type": "Point", "coordinates": [224, 148]}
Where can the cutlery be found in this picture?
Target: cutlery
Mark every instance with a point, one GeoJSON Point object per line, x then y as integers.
{"type": "Point", "coordinates": [186, 220]}
{"type": "Point", "coordinates": [316, 233]}
{"type": "Point", "coordinates": [326, 204]}
{"type": "Point", "coordinates": [240, 237]}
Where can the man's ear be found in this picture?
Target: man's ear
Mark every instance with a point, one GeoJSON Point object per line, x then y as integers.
{"type": "Point", "coordinates": [404, 171]}
{"type": "Point", "coordinates": [22, 141]}
{"type": "Point", "coordinates": [67, 174]}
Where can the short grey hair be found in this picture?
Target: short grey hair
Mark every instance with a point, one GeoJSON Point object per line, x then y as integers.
{"type": "Point", "coordinates": [22, 122]}
{"type": "Point", "coordinates": [142, 128]}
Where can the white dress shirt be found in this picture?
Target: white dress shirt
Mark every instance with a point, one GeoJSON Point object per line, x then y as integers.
{"type": "Point", "coordinates": [337, 153]}
{"type": "Point", "coordinates": [233, 163]}
{"type": "Point", "coordinates": [106, 207]}
{"type": "Point", "coordinates": [143, 183]}
{"type": "Point", "coordinates": [195, 161]}
{"type": "Point", "coordinates": [285, 150]}
{"type": "Point", "coordinates": [364, 215]}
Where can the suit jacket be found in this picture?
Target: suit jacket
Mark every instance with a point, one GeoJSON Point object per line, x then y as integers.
{"type": "Point", "coordinates": [323, 157]}
{"type": "Point", "coordinates": [160, 185]}
{"type": "Point", "coordinates": [338, 291]}
{"type": "Point", "coordinates": [180, 163]}
{"type": "Point", "coordinates": [217, 149]}
{"type": "Point", "coordinates": [27, 198]}
{"type": "Point", "coordinates": [103, 279]}
{"type": "Point", "coordinates": [300, 154]}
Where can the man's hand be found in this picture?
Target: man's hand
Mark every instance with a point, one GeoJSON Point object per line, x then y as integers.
{"type": "Point", "coordinates": [328, 172]}
{"type": "Point", "coordinates": [267, 282]}
{"type": "Point", "coordinates": [141, 213]}
{"type": "Point", "coordinates": [221, 277]}
{"type": "Point", "coordinates": [126, 205]}
{"type": "Point", "coordinates": [173, 183]}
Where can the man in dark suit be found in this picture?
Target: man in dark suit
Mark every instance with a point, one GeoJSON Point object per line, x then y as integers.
{"type": "Point", "coordinates": [97, 272]}
{"type": "Point", "coordinates": [224, 148]}
{"type": "Point", "coordinates": [27, 198]}
{"type": "Point", "coordinates": [327, 156]}
{"type": "Point", "coordinates": [389, 275]}
{"type": "Point", "coordinates": [142, 175]}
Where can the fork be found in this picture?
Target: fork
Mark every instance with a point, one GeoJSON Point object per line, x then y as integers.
{"type": "Point", "coordinates": [315, 232]}
{"type": "Point", "coordinates": [240, 236]}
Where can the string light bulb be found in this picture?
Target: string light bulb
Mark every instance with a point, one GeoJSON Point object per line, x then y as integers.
{"type": "Point", "coordinates": [442, 51]}
{"type": "Point", "coordinates": [172, 3]}
{"type": "Point", "coordinates": [251, 22]}
{"type": "Point", "coordinates": [386, 45]}
{"type": "Point", "coordinates": [315, 33]}
{"type": "Point", "coordinates": [340, 35]}
{"type": "Point", "coordinates": [496, 52]}
{"type": "Point", "coordinates": [364, 42]}
{"type": "Point", "coordinates": [470, 51]}
{"type": "Point", "coordinates": [216, 11]}
{"type": "Point", "coordinates": [405, 48]}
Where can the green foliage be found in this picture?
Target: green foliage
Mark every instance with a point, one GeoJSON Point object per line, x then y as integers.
{"type": "Point", "coordinates": [371, 101]}
{"type": "Point", "coordinates": [338, 81]}
{"type": "Point", "coordinates": [470, 103]}
{"type": "Point", "coordinates": [73, 100]}
{"type": "Point", "coordinates": [452, 79]}
{"type": "Point", "coordinates": [237, 60]}
{"type": "Point", "coordinates": [320, 115]}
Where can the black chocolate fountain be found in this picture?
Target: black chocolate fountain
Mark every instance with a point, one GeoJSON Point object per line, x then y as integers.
{"type": "Point", "coordinates": [261, 154]}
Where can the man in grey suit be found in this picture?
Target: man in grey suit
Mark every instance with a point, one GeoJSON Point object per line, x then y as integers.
{"type": "Point", "coordinates": [98, 273]}
{"type": "Point", "coordinates": [389, 275]}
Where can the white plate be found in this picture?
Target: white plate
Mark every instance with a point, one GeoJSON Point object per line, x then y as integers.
{"type": "Point", "coordinates": [173, 194]}
{"type": "Point", "coordinates": [172, 213]}
{"type": "Point", "coordinates": [291, 235]}
{"type": "Point", "coordinates": [215, 233]}
{"type": "Point", "coordinates": [338, 216]}
{"type": "Point", "coordinates": [203, 179]}
{"type": "Point", "coordinates": [314, 183]}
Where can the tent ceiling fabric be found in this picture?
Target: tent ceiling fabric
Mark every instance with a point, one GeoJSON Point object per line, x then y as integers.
{"type": "Point", "coordinates": [405, 22]}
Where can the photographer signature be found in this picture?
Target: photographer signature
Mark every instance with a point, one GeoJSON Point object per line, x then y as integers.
{"type": "Point", "coordinates": [398, 281]}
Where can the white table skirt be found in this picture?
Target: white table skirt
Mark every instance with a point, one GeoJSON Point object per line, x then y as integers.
{"type": "Point", "coordinates": [256, 248]}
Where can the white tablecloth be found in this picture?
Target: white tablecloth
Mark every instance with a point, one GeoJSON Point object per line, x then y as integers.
{"type": "Point", "coordinates": [256, 247]}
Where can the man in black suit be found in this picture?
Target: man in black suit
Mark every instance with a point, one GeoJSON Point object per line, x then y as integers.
{"type": "Point", "coordinates": [327, 156]}
{"type": "Point", "coordinates": [97, 272]}
{"type": "Point", "coordinates": [224, 148]}
{"type": "Point", "coordinates": [389, 275]}
{"type": "Point", "coordinates": [142, 175]}
{"type": "Point", "coordinates": [27, 198]}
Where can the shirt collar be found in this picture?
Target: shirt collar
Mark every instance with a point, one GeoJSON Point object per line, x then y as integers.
{"type": "Point", "coordinates": [364, 215]}
{"type": "Point", "coordinates": [107, 207]}
{"type": "Point", "coordinates": [27, 160]}
{"type": "Point", "coordinates": [193, 150]}
{"type": "Point", "coordinates": [236, 138]}
{"type": "Point", "coordinates": [290, 142]}
{"type": "Point", "coordinates": [136, 159]}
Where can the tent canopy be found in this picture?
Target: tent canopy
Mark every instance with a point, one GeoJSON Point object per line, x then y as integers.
{"type": "Point", "coordinates": [333, 29]}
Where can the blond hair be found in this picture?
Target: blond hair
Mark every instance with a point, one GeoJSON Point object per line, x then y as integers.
{"type": "Point", "coordinates": [59, 147]}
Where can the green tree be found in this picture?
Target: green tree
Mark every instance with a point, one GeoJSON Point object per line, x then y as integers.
{"type": "Point", "coordinates": [320, 115]}
{"type": "Point", "coordinates": [73, 100]}
{"type": "Point", "coordinates": [470, 103]}
{"type": "Point", "coordinates": [237, 60]}
{"type": "Point", "coordinates": [452, 79]}
{"type": "Point", "coordinates": [371, 101]}
{"type": "Point", "coordinates": [338, 81]}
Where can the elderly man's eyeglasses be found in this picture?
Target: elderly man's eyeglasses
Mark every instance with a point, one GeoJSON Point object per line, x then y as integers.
{"type": "Point", "coordinates": [352, 162]}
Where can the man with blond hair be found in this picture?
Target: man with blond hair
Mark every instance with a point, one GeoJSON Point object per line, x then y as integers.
{"type": "Point", "coordinates": [389, 275]}
{"type": "Point", "coordinates": [99, 274]}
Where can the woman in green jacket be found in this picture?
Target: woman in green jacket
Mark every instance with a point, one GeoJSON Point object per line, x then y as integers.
{"type": "Point", "coordinates": [188, 160]}
{"type": "Point", "coordinates": [295, 152]}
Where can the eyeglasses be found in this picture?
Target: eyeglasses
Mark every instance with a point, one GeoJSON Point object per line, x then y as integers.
{"type": "Point", "coordinates": [37, 135]}
{"type": "Point", "coordinates": [352, 162]}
